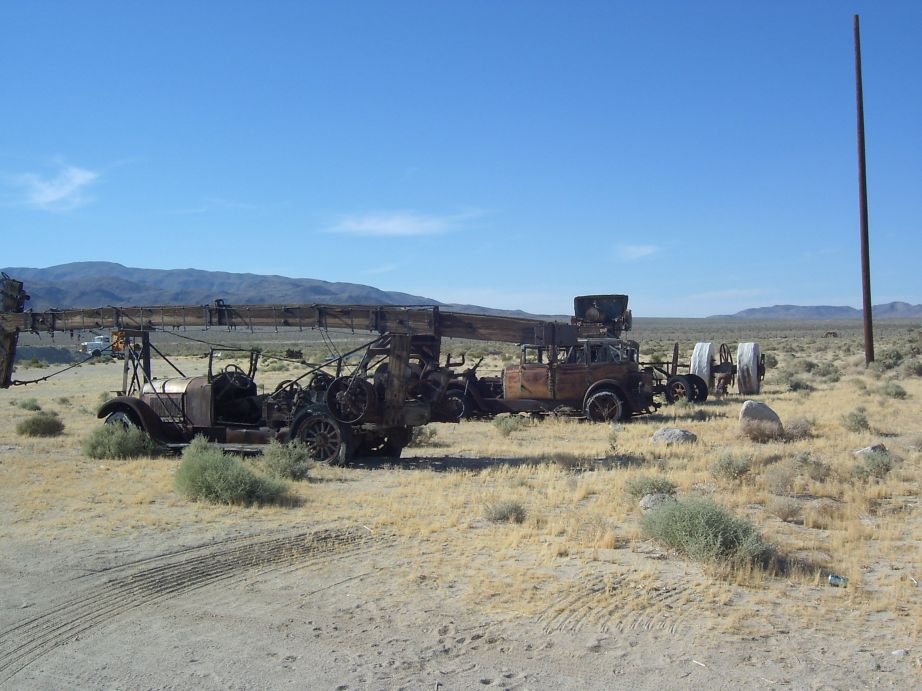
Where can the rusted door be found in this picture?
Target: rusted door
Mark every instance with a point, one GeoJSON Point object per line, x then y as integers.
{"type": "Point", "coordinates": [527, 381]}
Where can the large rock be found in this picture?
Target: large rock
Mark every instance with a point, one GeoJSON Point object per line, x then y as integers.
{"type": "Point", "coordinates": [755, 410]}
{"type": "Point", "coordinates": [673, 435]}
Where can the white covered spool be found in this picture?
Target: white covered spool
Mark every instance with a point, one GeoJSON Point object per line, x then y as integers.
{"type": "Point", "coordinates": [747, 368]}
{"type": "Point", "coordinates": [702, 360]}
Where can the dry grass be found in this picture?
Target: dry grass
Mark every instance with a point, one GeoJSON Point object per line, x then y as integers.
{"type": "Point", "coordinates": [580, 521]}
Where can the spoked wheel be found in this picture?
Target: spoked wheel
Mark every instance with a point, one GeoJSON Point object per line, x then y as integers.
{"type": "Point", "coordinates": [605, 406]}
{"type": "Point", "coordinates": [351, 400]}
{"type": "Point", "coordinates": [455, 405]}
{"type": "Point", "coordinates": [679, 388]}
{"type": "Point", "coordinates": [700, 386]}
{"type": "Point", "coordinates": [326, 440]}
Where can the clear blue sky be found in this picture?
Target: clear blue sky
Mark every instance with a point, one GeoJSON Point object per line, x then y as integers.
{"type": "Point", "coordinates": [699, 156]}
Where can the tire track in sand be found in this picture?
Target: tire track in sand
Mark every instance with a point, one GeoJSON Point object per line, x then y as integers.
{"type": "Point", "coordinates": [162, 577]}
{"type": "Point", "coordinates": [621, 603]}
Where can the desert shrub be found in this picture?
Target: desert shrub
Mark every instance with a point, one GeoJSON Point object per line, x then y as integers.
{"type": "Point", "coordinates": [119, 441]}
{"type": "Point", "coordinates": [785, 508]}
{"type": "Point", "coordinates": [613, 431]}
{"type": "Point", "coordinates": [730, 468]}
{"type": "Point", "coordinates": [423, 436]}
{"type": "Point", "coordinates": [822, 515]}
{"type": "Point", "coordinates": [40, 425]}
{"type": "Point", "coordinates": [912, 368]}
{"type": "Point", "coordinates": [761, 431]}
{"type": "Point", "coordinates": [892, 390]}
{"type": "Point", "coordinates": [827, 371]}
{"type": "Point", "coordinates": [30, 404]}
{"type": "Point", "coordinates": [642, 485]}
{"type": "Point", "coordinates": [207, 473]}
{"type": "Point", "coordinates": [63, 400]}
{"type": "Point", "coordinates": [506, 511]}
{"type": "Point", "coordinates": [507, 424]}
{"type": "Point", "coordinates": [914, 442]}
{"type": "Point", "coordinates": [813, 468]}
{"type": "Point", "coordinates": [889, 359]}
{"type": "Point", "coordinates": [856, 420]}
{"type": "Point", "coordinates": [104, 396]}
{"type": "Point", "coordinates": [276, 366]}
{"type": "Point", "coordinates": [570, 461]}
{"type": "Point", "coordinates": [780, 478]}
{"type": "Point", "coordinates": [770, 361]}
{"type": "Point", "coordinates": [705, 531]}
{"type": "Point", "coordinates": [798, 428]}
{"type": "Point", "coordinates": [875, 465]}
{"type": "Point", "coordinates": [798, 384]}
{"type": "Point", "coordinates": [291, 461]}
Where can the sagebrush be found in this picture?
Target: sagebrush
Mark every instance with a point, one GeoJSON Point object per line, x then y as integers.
{"type": "Point", "coordinates": [40, 425]}
{"type": "Point", "coordinates": [290, 461]}
{"type": "Point", "coordinates": [705, 531]}
{"type": "Point", "coordinates": [119, 441]}
{"type": "Point", "coordinates": [207, 473]}
{"type": "Point", "coordinates": [642, 485]}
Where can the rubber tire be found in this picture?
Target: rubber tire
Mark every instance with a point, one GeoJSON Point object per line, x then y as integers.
{"type": "Point", "coordinates": [700, 386]}
{"type": "Point", "coordinates": [605, 405]}
{"type": "Point", "coordinates": [678, 387]}
{"type": "Point", "coordinates": [123, 418]}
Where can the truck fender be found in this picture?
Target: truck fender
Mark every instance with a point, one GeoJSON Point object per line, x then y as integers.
{"type": "Point", "coordinates": [143, 415]}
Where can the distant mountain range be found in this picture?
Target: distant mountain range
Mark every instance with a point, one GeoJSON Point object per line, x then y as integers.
{"type": "Point", "coordinates": [890, 310]}
{"type": "Point", "coordinates": [96, 284]}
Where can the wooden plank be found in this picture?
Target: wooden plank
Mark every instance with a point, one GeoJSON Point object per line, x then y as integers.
{"type": "Point", "coordinates": [376, 318]}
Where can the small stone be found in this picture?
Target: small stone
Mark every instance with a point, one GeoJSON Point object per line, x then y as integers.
{"type": "Point", "coordinates": [652, 501]}
{"type": "Point", "coordinates": [673, 435]}
{"type": "Point", "coordinates": [871, 450]}
{"type": "Point", "coordinates": [902, 652]}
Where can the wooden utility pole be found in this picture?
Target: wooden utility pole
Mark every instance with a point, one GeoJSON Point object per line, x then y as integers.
{"type": "Point", "coordinates": [863, 203]}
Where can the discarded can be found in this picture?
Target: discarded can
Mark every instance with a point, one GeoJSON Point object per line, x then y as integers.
{"type": "Point", "coordinates": [837, 581]}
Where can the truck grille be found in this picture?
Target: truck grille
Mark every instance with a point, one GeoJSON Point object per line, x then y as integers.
{"type": "Point", "coordinates": [168, 406]}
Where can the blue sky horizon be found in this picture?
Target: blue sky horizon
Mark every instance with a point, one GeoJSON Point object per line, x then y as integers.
{"type": "Point", "coordinates": [701, 159]}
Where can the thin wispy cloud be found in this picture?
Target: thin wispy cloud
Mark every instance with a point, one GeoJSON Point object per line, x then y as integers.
{"type": "Point", "coordinates": [65, 190]}
{"type": "Point", "coordinates": [385, 269]}
{"type": "Point", "coordinates": [213, 204]}
{"type": "Point", "coordinates": [632, 252]}
{"type": "Point", "coordinates": [400, 224]}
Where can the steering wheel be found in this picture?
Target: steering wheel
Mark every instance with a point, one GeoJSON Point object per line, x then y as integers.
{"type": "Point", "coordinates": [320, 382]}
{"type": "Point", "coordinates": [236, 377]}
{"type": "Point", "coordinates": [290, 384]}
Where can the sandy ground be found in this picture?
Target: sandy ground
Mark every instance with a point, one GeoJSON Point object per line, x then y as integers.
{"type": "Point", "coordinates": [118, 583]}
{"type": "Point", "coordinates": [345, 607]}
